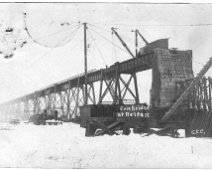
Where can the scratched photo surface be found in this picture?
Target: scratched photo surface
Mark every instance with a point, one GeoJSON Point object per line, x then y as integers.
{"type": "Point", "coordinates": [105, 85]}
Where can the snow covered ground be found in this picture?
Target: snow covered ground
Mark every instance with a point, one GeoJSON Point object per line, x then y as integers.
{"type": "Point", "coordinates": [64, 146]}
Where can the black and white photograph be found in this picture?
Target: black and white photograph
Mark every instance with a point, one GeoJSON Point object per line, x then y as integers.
{"type": "Point", "coordinates": [101, 85]}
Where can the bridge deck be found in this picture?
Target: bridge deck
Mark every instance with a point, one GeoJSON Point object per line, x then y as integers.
{"type": "Point", "coordinates": [142, 63]}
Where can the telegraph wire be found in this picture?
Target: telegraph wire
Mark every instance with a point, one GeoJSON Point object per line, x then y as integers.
{"type": "Point", "coordinates": [93, 51]}
{"type": "Point", "coordinates": [46, 36]}
{"type": "Point", "coordinates": [99, 27]}
{"type": "Point", "coordinates": [46, 53]}
{"type": "Point", "coordinates": [114, 44]}
{"type": "Point", "coordinates": [72, 33]}
{"type": "Point", "coordinates": [110, 31]}
{"type": "Point", "coordinates": [114, 47]}
{"type": "Point", "coordinates": [109, 40]}
{"type": "Point", "coordinates": [97, 48]}
{"type": "Point", "coordinates": [124, 36]}
{"type": "Point", "coordinates": [75, 31]}
{"type": "Point", "coordinates": [157, 25]}
{"type": "Point", "coordinates": [32, 42]}
{"type": "Point", "coordinates": [124, 50]}
{"type": "Point", "coordinates": [146, 25]}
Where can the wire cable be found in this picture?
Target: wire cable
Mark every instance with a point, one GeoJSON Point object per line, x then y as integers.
{"type": "Point", "coordinates": [99, 28]}
{"type": "Point", "coordinates": [40, 38]}
{"type": "Point", "coordinates": [124, 36]}
{"type": "Point", "coordinates": [110, 31]}
{"type": "Point", "coordinates": [157, 25]}
{"type": "Point", "coordinates": [114, 47]}
{"type": "Point", "coordinates": [97, 48]}
{"type": "Point", "coordinates": [109, 40]}
{"type": "Point", "coordinates": [36, 40]}
{"type": "Point", "coordinates": [46, 36]}
{"type": "Point", "coordinates": [115, 44]}
{"type": "Point", "coordinates": [128, 39]}
{"type": "Point", "coordinates": [46, 53]}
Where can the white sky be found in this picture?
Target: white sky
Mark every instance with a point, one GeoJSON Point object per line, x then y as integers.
{"type": "Point", "coordinates": [35, 66]}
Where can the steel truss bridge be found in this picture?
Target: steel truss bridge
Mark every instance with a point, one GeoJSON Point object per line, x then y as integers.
{"type": "Point", "coordinates": [117, 82]}
{"type": "Point", "coordinates": [68, 95]}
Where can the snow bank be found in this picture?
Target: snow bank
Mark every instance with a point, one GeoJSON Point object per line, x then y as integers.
{"type": "Point", "coordinates": [64, 146]}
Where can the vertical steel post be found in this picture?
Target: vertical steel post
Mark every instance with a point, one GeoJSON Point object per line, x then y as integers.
{"type": "Point", "coordinates": [54, 98]}
{"type": "Point", "coordinates": [116, 84]}
{"type": "Point", "coordinates": [85, 62]}
{"type": "Point", "coordinates": [134, 75]}
{"type": "Point", "coordinates": [136, 89]}
{"type": "Point", "coordinates": [100, 89]}
{"type": "Point", "coordinates": [77, 98]}
{"type": "Point", "coordinates": [68, 100]}
{"type": "Point", "coordinates": [136, 43]}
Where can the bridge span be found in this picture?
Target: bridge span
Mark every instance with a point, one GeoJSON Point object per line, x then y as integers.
{"type": "Point", "coordinates": [118, 83]}
{"type": "Point", "coordinates": [63, 95]}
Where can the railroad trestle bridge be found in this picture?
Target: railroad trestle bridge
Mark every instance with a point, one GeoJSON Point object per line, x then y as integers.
{"type": "Point", "coordinates": [68, 95]}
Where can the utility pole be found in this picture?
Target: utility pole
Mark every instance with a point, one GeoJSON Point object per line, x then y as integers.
{"type": "Point", "coordinates": [85, 62]}
{"type": "Point", "coordinates": [136, 43]}
{"type": "Point", "coordinates": [134, 75]}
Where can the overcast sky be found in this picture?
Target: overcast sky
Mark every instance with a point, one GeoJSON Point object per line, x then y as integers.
{"type": "Point", "coordinates": [38, 65]}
